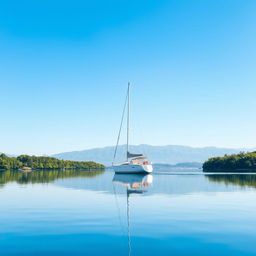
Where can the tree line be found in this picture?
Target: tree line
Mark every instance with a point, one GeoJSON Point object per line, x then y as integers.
{"type": "Point", "coordinates": [231, 163]}
{"type": "Point", "coordinates": [44, 162]}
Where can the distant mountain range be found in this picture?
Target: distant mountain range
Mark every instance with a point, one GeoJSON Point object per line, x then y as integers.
{"type": "Point", "coordinates": [171, 154]}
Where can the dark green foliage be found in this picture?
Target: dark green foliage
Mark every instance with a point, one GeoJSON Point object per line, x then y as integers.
{"type": "Point", "coordinates": [9, 163]}
{"type": "Point", "coordinates": [231, 163]}
{"type": "Point", "coordinates": [43, 162]}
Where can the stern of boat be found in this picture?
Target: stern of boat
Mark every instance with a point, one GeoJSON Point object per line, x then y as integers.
{"type": "Point", "coordinates": [148, 168]}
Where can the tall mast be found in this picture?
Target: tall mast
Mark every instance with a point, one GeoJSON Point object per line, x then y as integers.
{"type": "Point", "coordinates": [128, 119]}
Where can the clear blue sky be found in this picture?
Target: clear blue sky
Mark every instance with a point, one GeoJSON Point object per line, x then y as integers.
{"type": "Point", "coordinates": [64, 68]}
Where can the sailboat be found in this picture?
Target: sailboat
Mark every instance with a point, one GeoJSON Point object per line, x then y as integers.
{"type": "Point", "coordinates": [135, 163]}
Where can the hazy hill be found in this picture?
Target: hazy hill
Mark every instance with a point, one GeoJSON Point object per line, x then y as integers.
{"type": "Point", "coordinates": [158, 154]}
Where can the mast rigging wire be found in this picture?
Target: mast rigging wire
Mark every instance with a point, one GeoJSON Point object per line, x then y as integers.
{"type": "Point", "coordinates": [119, 133]}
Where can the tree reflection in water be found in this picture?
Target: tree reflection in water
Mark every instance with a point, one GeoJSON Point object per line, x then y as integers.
{"type": "Point", "coordinates": [44, 176]}
{"type": "Point", "coordinates": [234, 179]}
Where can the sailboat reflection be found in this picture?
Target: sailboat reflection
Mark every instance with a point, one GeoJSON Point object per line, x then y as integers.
{"type": "Point", "coordinates": [135, 184]}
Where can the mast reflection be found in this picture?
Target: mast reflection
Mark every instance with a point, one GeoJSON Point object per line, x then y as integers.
{"type": "Point", "coordinates": [135, 184]}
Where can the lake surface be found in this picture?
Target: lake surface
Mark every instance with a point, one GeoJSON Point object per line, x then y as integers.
{"type": "Point", "coordinates": [99, 213]}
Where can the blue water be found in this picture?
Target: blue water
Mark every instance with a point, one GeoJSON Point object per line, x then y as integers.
{"type": "Point", "coordinates": [76, 214]}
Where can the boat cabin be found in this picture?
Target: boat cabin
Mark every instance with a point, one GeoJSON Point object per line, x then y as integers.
{"type": "Point", "coordinates": [141, 160]}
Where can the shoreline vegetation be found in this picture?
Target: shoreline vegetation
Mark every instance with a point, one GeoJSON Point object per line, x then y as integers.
{"type": "Point", "coordinates": [44, 162]}
{"type": "Point", "coordinates": [242, 162]}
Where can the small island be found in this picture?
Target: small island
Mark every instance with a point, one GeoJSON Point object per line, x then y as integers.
{"type": "Point", "coordinates": [242, 162]}
{"type": "Point", "coordinates": [43, 162]}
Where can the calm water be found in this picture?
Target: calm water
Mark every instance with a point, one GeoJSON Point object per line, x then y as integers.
{"type": "Point", "coordinates": [97, 213]}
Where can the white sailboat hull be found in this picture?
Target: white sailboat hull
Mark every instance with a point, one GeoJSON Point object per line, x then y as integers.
{"type": "Point", "coordinates": [133, 168]}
